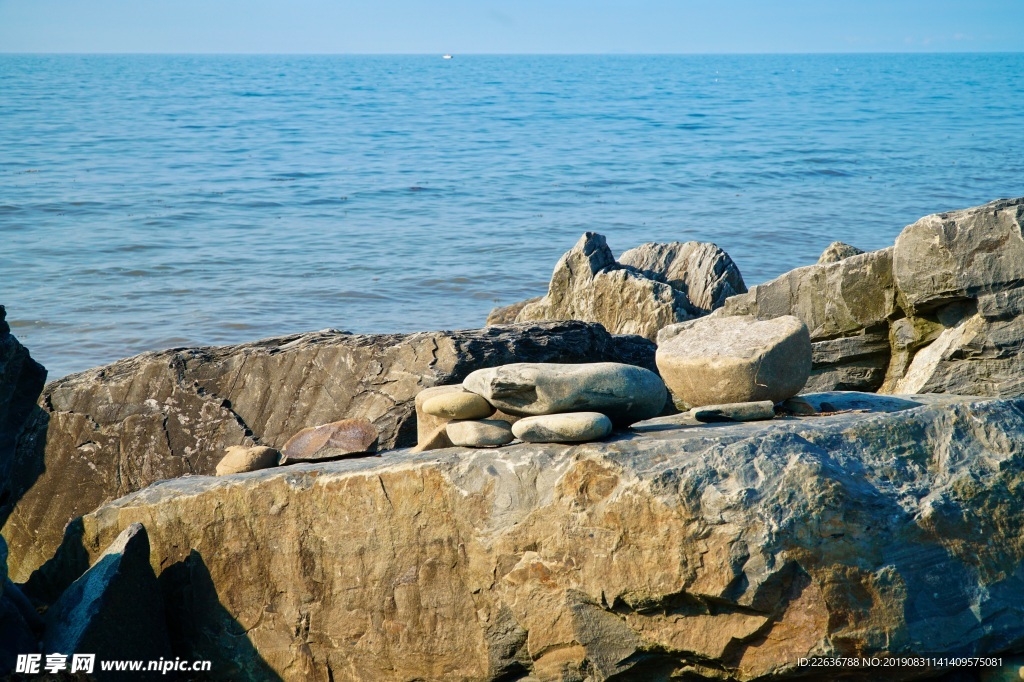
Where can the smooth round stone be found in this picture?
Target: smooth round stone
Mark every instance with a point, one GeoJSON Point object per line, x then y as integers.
{"type": "Point", "coordinates": [456, 405]}
{"type": "Point", "coordinates": [483, 433]}
{"type": "Point", "coordinates": [625, 393]}
{"type": "Point", "coordinates": [240, 459]}
{"type": "Point", "coordinates": [568, 427]}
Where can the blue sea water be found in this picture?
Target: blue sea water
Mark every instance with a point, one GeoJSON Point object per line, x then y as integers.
{"type": "Point", "coordinates": [157, 201]}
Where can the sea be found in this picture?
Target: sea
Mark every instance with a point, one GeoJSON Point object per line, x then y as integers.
{"type": "Point", "coordinates": [149, 202]}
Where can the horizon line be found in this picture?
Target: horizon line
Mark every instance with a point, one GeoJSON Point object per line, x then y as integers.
{"type": "Point", "coordinates": [508, 54]}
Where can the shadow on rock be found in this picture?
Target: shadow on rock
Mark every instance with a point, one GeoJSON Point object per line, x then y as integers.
{"type": "Point", "coordinates": [202, 629]}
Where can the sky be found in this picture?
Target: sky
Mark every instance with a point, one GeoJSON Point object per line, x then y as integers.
{"type": "Point", "coordinates": [511, 26]}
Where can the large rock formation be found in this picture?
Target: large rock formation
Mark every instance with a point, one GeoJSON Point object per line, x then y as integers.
{"type": "Point", "coordinates": [960, 277]}
{"type": "Point", "coordinates": [890, 527]}
{"type": "Point", "coordinates": [846, 305]}
{"type": "Point", "coordinates": [109, 431]}
{"type": "Point", "coordinates": [941, 311]}
{"type": "Point", "coordinates": [700, 270]}
{"type": "Point", "coordinates": [650, 287]}
{"type": "Point", "coordinates": [21, 382]}
{"type": "Point", "coordinates": [588, 284]}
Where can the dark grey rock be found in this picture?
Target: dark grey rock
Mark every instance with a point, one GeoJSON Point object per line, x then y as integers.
{"type": "Point", "coordinates": [114, 610]}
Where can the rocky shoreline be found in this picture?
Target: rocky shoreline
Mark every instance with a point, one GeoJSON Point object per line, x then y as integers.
{"type": "Point", "coordinates": [724, 534]}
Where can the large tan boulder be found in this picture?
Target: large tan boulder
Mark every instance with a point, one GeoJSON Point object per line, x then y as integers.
{"type": "Point", "coordinates": [701, 270]}
{"type": "Point", "coordinates": [958, 255]}
{"type": "Point", "coordinates": [726, 551]}
{"type": "Point", "coordinates": [847, 306]}
{"type": "Point", "coordinates": [625, 393]}
{"type": "Point", "coordinates": [588, 284]}
{"type": "Point", "coordinates": [734, 359]}
{"type": "Point", "coordinates": [106, 432]}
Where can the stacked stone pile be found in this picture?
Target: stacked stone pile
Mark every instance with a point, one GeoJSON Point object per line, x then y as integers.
{"type": "Point", "coordinates": [537, 403]}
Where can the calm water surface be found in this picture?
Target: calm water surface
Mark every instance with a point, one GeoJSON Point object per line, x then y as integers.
{"type": "Point", "coordinates": [157, 201]}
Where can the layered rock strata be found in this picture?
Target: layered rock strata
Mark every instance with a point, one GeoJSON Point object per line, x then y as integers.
{"type": "Point", "coordinates": [106, 432]}
{"type": "Point", "coordinates": [725, 551]}
{"type": "Point", "coordinates": [941, 311]}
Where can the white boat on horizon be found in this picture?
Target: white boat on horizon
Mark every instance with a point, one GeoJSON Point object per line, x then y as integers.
{"type": "Point", "coordinates": [447, 56]}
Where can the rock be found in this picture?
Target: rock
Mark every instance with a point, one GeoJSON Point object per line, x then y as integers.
{"type": "Point", "coordinates": [589, 285]}
{"type": "Point", "coordinates": [16, 633]}
{"type": "Point", "coordinates": [21, 381]}
{"type": "Point", "coordinates": [458, 405]}
{"type": "Point", "coordinates": [846, 306]}
{"type": "Point", "coordinates": [101, 434]}
{"type": "Point", "coordinates": [702, 271]}
{"type": "Point", "coordinates": [431, 433]}
{"type": "Point", "coordinates": [735, 412]}
{"type": "Point", "coordinates": [480, 434]}
{"type": "Point", "coordinates": [625, 393]}
{"type": "Point", "coordinates": [724, 552]}
{"type": "Point", "coordinates": [507, 314]}
{"type": "Point", "coordinates": [567, 427]}
{"type": "Point", "coordinates": [431, 430]}
{"type": "Point", "coordinates": [734, 359]}
{"type": "Point", "coordinates": [797, 406]}
{"type": "Point", "coordinates": [331, 441]}
{"type": "Point", "coordinates": [836, 252]}
{"type": "Point", "coordinates": [947, 257]}
{"type": "Point", "coordinates": [114, 610]}
{"type": "Point", "coordinates": [975, 356]}
{"type": "Point", "coordinates": [239, 459]}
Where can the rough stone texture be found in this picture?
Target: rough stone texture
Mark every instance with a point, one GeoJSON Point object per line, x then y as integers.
{"type": "Point", "coordinates": [959, 276]}
{"type": "Point", "coordinates": [846, 306]}
{"type": "Point", "coordinates": [717, 551]}
{"type": "Point", "coordinates": [588, 284]}
{"type": "Point", "coordinates": [961, 254]}
{"type": "Point", "coordinates": [701, 270]}
{"type": "Point", "coordinates": [16, 634]}
{"type": "Point", "coordinates": [507, 314]}
{"type": "Point", "coordinates": [239, 459]}
{"type": "Point", "coordinates": [837, 251]}
{"type": "Point", "coordinates": [569, 427]}
{"type": "Point", "coordinates": [625, 393]}
{"type": "Point", "coordinates": [735, 412]}
{"type": "Point", "coordinates": [975, 356]}
{"type": "Point", "coordinates": [330, 441]}
{"type": "Point", "coordinates": [480, 434]}
{"type": "Point", "coordinates": [21, 382]}
{"type": "Point", "coordinates": [109, 431]}
{"type": "Point", "coordinates": [114, 610]}
{"type": "Point", "coordinates": [740, 359]}
{"type": "Point", "coordinates": [458, 405]}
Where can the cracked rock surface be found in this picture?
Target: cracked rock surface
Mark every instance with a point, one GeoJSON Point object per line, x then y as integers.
{"type": "Point", "coordinates": [727, 551]}
{"type": "Point", "coordinates": [106, 432]}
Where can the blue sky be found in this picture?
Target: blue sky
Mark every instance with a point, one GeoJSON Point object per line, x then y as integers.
{"type": "Point", "coordinates": [511, 26]}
